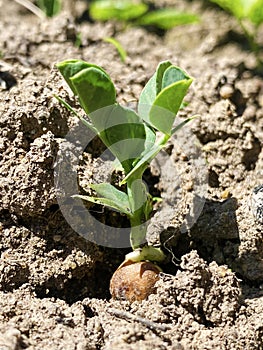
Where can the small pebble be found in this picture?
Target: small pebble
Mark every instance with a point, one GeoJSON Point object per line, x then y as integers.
{"type": "Point", "coordinates": [257, 203]}
{"type": "Point", "coordinates": [226, 91]}
{"type": "Point", "coordinates": [225, 194]}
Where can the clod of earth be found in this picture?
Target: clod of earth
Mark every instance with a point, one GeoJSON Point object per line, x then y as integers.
{"type": "Point", "coordinates": [134, 281]}
{"type": "Point", "coordinates": [257, 203]}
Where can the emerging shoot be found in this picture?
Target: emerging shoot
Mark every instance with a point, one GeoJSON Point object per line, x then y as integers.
{"type": "Point", "coordinates": [132, 138]}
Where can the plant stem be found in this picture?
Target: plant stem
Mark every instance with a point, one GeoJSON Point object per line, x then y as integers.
{"type": "Point", "coordinates": [139, 198]}
{"type": "Point", "coordinates": [138, 234]}
{"type": "Point", "coordinates": [140, 203]}
{"type": "Point", "coordinates": [163, 140]}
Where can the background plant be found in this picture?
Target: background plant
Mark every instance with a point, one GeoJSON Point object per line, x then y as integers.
{"type": "Point", "coordinates": [130, 136]}
{"type": "Point", "coordinates": [121, 51]}
{"type": "Point", "coordinates": [49, 7]}
{"type": "Point", "coordinates": [139, 13]}
{"type": "Point", "coordinates": [249, 14]}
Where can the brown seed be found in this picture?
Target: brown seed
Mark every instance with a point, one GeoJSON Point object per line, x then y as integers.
{"type": "Point", "coordinates": [134, 280]}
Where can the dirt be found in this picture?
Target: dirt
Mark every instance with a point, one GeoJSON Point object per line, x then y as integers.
{"type": "Point", "coordinates": [54, 280]}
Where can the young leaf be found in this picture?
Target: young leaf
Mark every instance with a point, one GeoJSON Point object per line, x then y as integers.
{"type": "Point", "coordinates": [250, 9]}
{"type": "Point", "coordinates": [106, 202]}
{"type": "Point", "coordinates": [235, 7]}
{"type": "Point", "coordinates": [142, 164]}
{"type": "Point", "coordinates": [163, 95]}
{"type": "Point", "coordinates": [123, 10]}
{"type": "Point", "coordinates": [147, 96]}
{"type": "Point", "coordinates": [94, 89]}
{"type": "Point", "coordinates": [150, 153]}
{"type": "Point", "coordinates": [170, 99]}
{"type": "Point", "coordinates": [110, 192]}
{"type": "Point", "coordinates": [152, 88]}
{"type": "Point", "coordinates": [161, 69]}
{"type": "Point", "coordinates": [172, 75]}
{"type": "Point", "coordinates": [167, 18]}
{"type": "Point", "coordinates": [123, 132]}
{"type": "Point", "coordinates": [69, 68]}
{"type": "Point", "coordinates": [255, 13]}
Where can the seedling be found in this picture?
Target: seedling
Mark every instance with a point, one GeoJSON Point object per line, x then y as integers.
{"type": "Point", "coordinates": [138, 13]}
{"type": "Point", "coordinates": [122, 10]}
{"type": "Point", "coordinates": [249, 14]}
{"type": "Point", "coordinates": [130, 136]}
{"type": "Point", "coordinates": [122, 53]}
{"type": "Point", "coordinates": [49, 7]}
{"type": "Point", "coordinates": [167, 18]}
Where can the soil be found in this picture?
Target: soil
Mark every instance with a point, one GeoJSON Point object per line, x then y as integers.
{"type": "Point", "coordinates": [54, 281]}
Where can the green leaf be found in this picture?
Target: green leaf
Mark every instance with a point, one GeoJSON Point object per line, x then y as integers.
{"type": "Point", "coordinates": [161, 69]}
{"type": "Point", "coordinates": [89, 82]}
{"type": "Point", "coordinates": [172, 75]}
{"type": "Point", "coordinates": [142, 164]}
{"type": "Point", "coordinates": [69, 68]}
{"type": "Point", "coordinates": [235, 7]}
{"type": "Point", "coordinates": [169, 99]}
{"type": "Point", "coordinates": [123, 10]}
{"type": "Point", "coordinates": [147, 96]}
{"type": "Point", "coordinates": [106, 202]}
{"type": "Point", "coordinates": [94, 89]}
{"type": "Point", "coordinates": [110, 192]}
{"type": "Point", "coordinates": [250, 9]}
{"type": "Point", "coordinates": [255, 13]}
{"type": "Point", "coordinates": [50, 7]}
{"type": "Point", "coordinates": [167, 18]}
{"type": "Point", "coordinates": [239, 8]}
{"type": "Point", "coordinates": [123, 132]}
{"type": "Point", "coordinates": [148, 156]}
{"type": "Point", "coordinates": [163, 95]}
{"type": "Point", "coordinates": [121, 129]}
{"type": "Point", "coordinates": [151, 89]}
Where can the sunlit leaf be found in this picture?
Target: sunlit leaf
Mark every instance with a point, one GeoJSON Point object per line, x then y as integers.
{"type": "Point", "coordinates": [250, 9]}
{"type": "Point", "coordinates": [124, 10]}
{"type": "Point", "coordinates": [163, 96]}
{"type": "Point", "coordinates": [123, 132]}
{"type": "Point", "coordinates": [69, 68]}
{"type": "Point", "coordinates": [167, 18]}
{"type": "Point", "coordinates": [106, 202]}
{"type": "Point", "coordinates": [255, 13]}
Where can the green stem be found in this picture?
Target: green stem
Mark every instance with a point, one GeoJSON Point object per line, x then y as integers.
{"type": "Point", "coordinates": [150, 253]}
{"type": "Point", "coordinates": [139, 202]}
{"type": "Point", "coordinates": [163, 140]}
{"type": "Point", "coordinates": [138, 234]}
